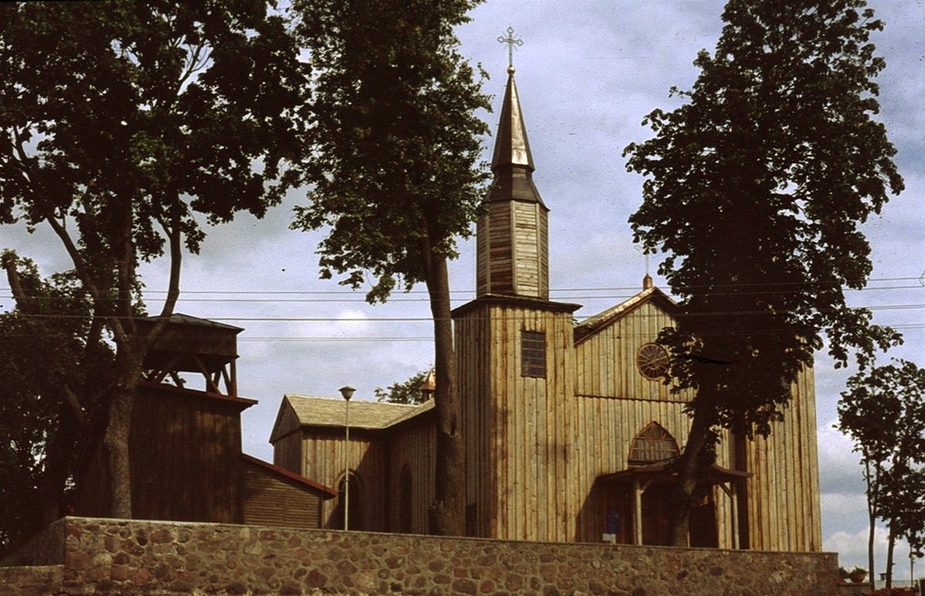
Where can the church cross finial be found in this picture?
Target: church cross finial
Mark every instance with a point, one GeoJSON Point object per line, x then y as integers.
{"type": "Point", "coordinates": [511, 41]}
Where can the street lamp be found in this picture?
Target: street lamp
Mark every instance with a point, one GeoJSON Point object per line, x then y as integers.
{"type": "Point", "coordinates": [347, 392]}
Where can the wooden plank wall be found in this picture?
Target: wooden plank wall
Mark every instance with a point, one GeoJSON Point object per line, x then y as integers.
{"type": "Point", "coordinates": [530, 249]}
{"type": "Point", "coordinates": [287, 452]}
{"type": "Point", "coordinates": [512, 254]}
{"type": "Point", "coordinates": [614, 402]}
{"type": "Point", "coordinates": [606, 361]}
{"type": "Point", "coordinates": [271, 500]}
{"type": "Point", "coordinates": [323, 461]}
{"type": "Point", "coordinates": [473, 351]}
{"type": "Point", "coordinates": [185, 453]}
{"type": "Point", "coordinates": [520, 450]}
{"type": "Point", "coordinates": [783, 494]}
{"type": "Point", "coordinates": [412, 449]}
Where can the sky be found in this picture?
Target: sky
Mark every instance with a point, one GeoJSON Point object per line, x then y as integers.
{"type": "Point", "coordinates": [588, 71]}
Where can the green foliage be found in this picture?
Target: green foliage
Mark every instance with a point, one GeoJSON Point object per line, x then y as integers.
{"type": "Point", "coordinates": [408, 392]}
{"type": "Point", "coordinates": [54, 365]}
{"type": "Point", "coordinates": [123, 126]}
{"type": "Point", "coordinates": [396, 138]}
{"type": "Point", "coordinates": [756, 188]}
{"type": "Point", "coordinates": [118, 102]}
{"type": "Point", "coordinates": [883, 411]}
{"type": "Point", "coordinates": [394, 173]}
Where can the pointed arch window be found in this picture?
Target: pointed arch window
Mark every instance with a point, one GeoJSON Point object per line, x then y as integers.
{"type": "Point", "coordinates": [355, 512]}
{"type": "Point", "coordinates": [652, 444]}
{"type": "Point", "coordinates": [405, 502]}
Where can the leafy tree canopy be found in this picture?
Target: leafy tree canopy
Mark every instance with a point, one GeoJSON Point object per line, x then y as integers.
{"type": "Point", "coordinates": [408, 392]}
{"type": "Point", "coordinates": [394, 173]}
{"type": "Point", "coordinates": [756, 190]}
{"type": "Point", "coordinates": [54, 365]}
{"type": "Point", "coordinates": [125, 124]}
{"type": "Point", "coordinates": [396, 137]}
{"type": "Point", "coordinates": [883, 411]}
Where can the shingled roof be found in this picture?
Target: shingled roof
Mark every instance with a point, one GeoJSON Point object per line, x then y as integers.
{"type": "Point", "coordinates": [297, 411]}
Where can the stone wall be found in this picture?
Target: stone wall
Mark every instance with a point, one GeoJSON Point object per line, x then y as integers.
{"type": "Point", "coordinates": [119, 556]}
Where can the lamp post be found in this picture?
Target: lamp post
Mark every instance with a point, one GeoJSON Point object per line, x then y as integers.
{"type": "Point", "coordinates": [347, 392]}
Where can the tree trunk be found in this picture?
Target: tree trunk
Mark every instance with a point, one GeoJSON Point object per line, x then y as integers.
{"type": "Point", "coordinates": [690, 472]}
{"type": "Point", "coordinates": [871, 515]}
{"type": "Point", "coordinates": [890, 546]}
{"type": "Point", "coordinates": [448, 511]}
{"type": "Point", "coordinates": [118, 431]}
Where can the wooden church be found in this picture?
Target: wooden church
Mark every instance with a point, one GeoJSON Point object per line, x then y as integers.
{"type": "Point", "coordinates": [569, 428]}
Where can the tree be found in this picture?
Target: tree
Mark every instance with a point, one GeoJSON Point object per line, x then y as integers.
{"type": "Point", "coordinates": [394, 172]}
{"type": "Point", "coordinates": [54, 365]}
{"type": "Point", "coordinates": [120, 122]}
{"type": "Point", "coordinates": [408, 392]}
{"type": "Point", "coordinates": [883, 411]}
{"type": "Point", "coordinates": [755, 188]}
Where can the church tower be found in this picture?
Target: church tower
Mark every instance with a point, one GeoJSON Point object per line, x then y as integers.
{"type": "Point", "coordinates": [513, 235]}
{"type": "Point", "coordinates": [514, 348]}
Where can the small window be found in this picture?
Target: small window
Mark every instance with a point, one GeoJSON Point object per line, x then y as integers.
{"type": "Point", "coordinates": [533, 354]}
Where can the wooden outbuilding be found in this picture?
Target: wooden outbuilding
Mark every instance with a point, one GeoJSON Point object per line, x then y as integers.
{"type": "Point", "coordinates": [185, 455]}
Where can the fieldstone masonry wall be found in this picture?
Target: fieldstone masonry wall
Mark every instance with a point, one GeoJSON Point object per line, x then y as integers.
{"type": "Point", "coordinates": [120, 556]}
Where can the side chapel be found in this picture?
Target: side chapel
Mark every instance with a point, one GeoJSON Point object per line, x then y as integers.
{"type": "Point", "coordinates": [569, 429]}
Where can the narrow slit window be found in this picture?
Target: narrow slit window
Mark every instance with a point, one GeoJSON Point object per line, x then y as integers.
{"type": "Point", "coordinates": [533, 354]}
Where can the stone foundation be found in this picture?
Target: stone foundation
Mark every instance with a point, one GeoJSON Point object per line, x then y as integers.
{"type": "Point", "coordinates": [122, 556]}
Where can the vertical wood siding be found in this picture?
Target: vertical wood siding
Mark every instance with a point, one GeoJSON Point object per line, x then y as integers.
{"type": "Point", "coordinates": [783, 493]}
{"type": "Point", "coordinates": [518, 429]}
{"type": "Point", "coordinates": [412, 449]}
{"type": "Point", "coordinates": [323, 453]}
{"type": "Point", "coordinates": [185, 456]}
{"type": "Point", "coordinates": [511, 250]}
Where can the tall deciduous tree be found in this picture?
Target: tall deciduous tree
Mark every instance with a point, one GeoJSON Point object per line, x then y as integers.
{"type": "Point", "coordinates": [54, 365]}
{"type": "Point", "coordinates": [121, 120]}
{"type": "Point", "coordinates": [756, 189]}
{"type": "Point", "coordinates": [883, 411]}
{"type": "Point", "coordinates": [395, 173]}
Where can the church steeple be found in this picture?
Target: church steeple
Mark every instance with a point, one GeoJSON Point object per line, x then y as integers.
{"type": "Point", "coordinates": [513, 236]}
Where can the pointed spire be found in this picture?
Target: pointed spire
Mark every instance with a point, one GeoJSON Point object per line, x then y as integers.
{"type": "Point", "coordinates": [428, 386]}
{"type": "Point", "coordinates": [511, 147]}
{"type": "Point", "coordinates": [512, 163]}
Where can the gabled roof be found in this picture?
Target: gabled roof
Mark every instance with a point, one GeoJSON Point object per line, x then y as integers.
{"type": "Point", "coordinates": [297, 411]}
{"type": "Point", "coordinates": [595, 323]}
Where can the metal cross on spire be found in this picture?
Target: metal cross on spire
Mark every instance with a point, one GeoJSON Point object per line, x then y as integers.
{"type": "Point", "coordinates": [511, 41]}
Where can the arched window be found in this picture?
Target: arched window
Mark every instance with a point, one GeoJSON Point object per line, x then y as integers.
{"type": "Point", "coordinates": [405, 502]}
{"type": "Point", "coordinates": [353, 503]}
{"type": "Point", "coordinates": [652, 444]}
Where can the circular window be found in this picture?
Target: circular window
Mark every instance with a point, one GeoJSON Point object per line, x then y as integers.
{"type": "Point", "coordinates": [652, 360]}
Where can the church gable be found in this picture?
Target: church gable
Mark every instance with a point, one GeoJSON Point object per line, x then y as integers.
{"type": "Point", "coordinates": [616, 354]}
{"type": "Point", "coordinates": [286, 422]}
